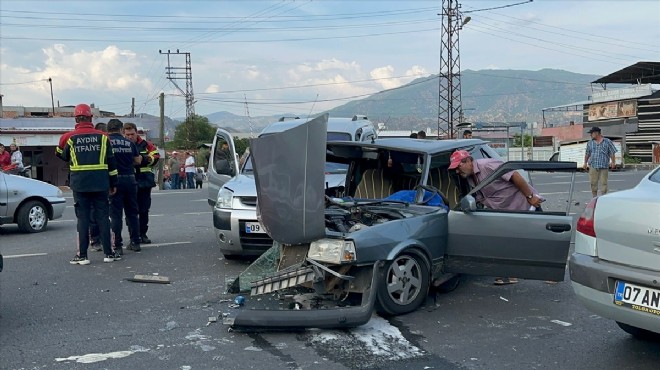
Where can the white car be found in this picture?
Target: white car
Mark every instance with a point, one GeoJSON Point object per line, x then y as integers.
{"type": "Point", "coordinates": [29, 203]}
{"type": "Point", "coordinates": [615, 270]}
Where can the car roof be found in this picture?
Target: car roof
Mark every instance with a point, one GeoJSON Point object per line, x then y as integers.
{"type": "Point", "coordinates": [424, 146]}
{"type": "Point", "coordinates": [335, 124]}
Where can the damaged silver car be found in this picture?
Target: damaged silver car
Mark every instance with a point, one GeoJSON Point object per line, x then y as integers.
{"type": "Point", "coordinates": [403, 223]}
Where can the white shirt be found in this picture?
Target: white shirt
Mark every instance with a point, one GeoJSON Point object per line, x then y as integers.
{"type": "Point", "coordinates": [190, 161]}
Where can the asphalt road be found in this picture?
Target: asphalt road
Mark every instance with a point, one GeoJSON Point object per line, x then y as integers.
{"type": "Point", "coordinates": [54, 315]}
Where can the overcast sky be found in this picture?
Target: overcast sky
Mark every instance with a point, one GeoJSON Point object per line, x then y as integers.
{"type": "Point", "coordinates": [294, 56]}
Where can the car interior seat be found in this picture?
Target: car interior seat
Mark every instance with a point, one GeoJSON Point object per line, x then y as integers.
{"type": "Point", "coordinates": [440, 179]}
{"type": "Point", "coordinates": [374, 185]}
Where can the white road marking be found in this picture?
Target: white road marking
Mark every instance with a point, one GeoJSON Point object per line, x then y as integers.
{"type": "Point", "coordinates": [163, 244]}
{"type": "Point", "coordinates": [58, 221]}
{"type": "Point", "coordinates": [568, 182]}
{"type": "Point", "coordinates": [25, 255]}
{"type": "Point", "coordinates": [199, 200]}
{"type": "Point", "coordinates": [198, 213]}
{"type": "Point", "coordinates": [173, 192]}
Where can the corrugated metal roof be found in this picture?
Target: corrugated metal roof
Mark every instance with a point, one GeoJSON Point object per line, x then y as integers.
{"type": "Point", "coordinates": [640, 72]}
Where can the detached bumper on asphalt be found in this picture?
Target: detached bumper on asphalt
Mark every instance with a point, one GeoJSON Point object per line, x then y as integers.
{"type": "Point", "coordinates": [340, 317]}
{"type": "Point", "coordinates": [594, 280]}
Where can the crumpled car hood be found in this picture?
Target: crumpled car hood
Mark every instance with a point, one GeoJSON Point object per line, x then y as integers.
{"type": "Point", "coordinates": [290, 178]}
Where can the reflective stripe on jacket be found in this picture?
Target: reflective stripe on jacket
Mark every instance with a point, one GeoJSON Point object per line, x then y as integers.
{"type": "Point", "coordinates": [91, 161]}
{"type": "Point", "coordinates": [150, 157]}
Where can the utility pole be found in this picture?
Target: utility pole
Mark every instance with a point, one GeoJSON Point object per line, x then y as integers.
{"type": "Point", "coordinates": [52, 101]}
{"type": "Point", "coordinates": [132, 107]}
{"type": "Point", "coordinates": [161, 128]}
{"type": "Point", "coordinates": [449, 90]}
{"type": "Point", "coordinates": [182, 73]}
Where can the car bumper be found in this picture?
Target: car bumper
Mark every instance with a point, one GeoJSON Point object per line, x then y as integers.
{"type": "Point", "coordinates": [593, 281]}
{"type": "Point", "coordinates": [58, 207]}
{"type": "Point", "coordinates": [229, 229]}
{"type": "Point", "coordinates": [340, 317]}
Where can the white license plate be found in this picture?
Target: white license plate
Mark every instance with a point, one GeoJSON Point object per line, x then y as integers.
{"type": "Point", "coordinates": [254, 228]}
{"type": "Point", "coordinates": [637, 297]}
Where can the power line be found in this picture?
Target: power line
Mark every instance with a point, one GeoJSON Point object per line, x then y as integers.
{"type": "Point", "coordinates": [497, 7]}
{"type": "Point", "coordinates": [215, 18]}
{"type": "Point", "coordinates": [575, 35]}
{"type": "Point", "coordinates": [579, 48]}
{"type": "Point", "coordinates": [224, 41]}
{"type": "Point", "coordinates": [22, 83]}
{"type": "Point", "coordinates": [568, 29]}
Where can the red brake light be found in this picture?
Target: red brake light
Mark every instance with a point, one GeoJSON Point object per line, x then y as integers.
{"type": "Point", "coordinates": [585, 223]}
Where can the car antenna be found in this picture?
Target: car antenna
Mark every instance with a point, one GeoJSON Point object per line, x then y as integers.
{"type": "Point", "coordinates": [310, 111]}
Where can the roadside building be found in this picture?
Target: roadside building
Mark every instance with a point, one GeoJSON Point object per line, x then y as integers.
{"type": "Point", "coordinates": [630, 112]}
{"type": "Point", "coordinates": [37, 133]}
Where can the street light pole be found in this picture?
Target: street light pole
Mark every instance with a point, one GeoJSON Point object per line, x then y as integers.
{"type": "Point", "coordinates": [52, 101]}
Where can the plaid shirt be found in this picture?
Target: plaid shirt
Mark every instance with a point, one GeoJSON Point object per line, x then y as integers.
{"type": "Point", "coordinates": [599, 154]}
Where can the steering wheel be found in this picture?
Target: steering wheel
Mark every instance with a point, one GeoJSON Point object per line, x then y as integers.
{"type": "Point", "coordinates": [420, 191]}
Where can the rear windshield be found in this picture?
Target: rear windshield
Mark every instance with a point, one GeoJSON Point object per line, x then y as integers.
{"type": "Point", "coordinates": [655, 176]}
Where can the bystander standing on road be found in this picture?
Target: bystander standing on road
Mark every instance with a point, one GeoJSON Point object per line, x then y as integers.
{"type": "Point", "coordinates": [145, 177]}
{"type": "Point", "coordinates": [93, 176]}
{"type": "Point", "coordinates": [125, 198]}
{"type": "Point", "coordinates": [599, 157]}
{"type": "Point", "coordinates": [173, 164]}
{"type": "Point", "coordinates": [16, 159]}
{"type": "Point", "coordinates": [190, 171]}
{"type": "Point", "coordinates": [199, 178]}
{"type": "Point", "coordinates": [656, 152]}
{"type": "Point", "coordinates": [467, 134]}
{"type": "Point", "coordinates": [510, 192]}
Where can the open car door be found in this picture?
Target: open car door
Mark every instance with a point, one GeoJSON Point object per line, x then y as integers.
{"type": "Point", "coordinates": [531, 245]}
{"type": "Point", "coordinates": [223, 164]}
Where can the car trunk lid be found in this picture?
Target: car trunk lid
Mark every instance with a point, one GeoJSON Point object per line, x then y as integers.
{"type": "Point", "coordinates": [633, 237]}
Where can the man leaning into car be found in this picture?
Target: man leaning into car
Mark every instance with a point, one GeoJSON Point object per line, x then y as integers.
{"type": "Point", "coordinates": [510, 192]}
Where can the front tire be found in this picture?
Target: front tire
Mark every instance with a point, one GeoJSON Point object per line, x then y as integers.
{"type": "Point", "coordinates": [405, 284]}
{"type": "Point", "coordinates": [32, 217]}
{"type": "Point", "coordinates": [639, 333]}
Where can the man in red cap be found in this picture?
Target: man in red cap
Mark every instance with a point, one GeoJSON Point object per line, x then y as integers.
{"type": "Point", "coordinates": [509, 192]}
{"type": "Point", "coordinates": [93, 177]}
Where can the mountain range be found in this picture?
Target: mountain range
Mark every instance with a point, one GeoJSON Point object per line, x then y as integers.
{"type": "Point", "coordinates": [487, 96]}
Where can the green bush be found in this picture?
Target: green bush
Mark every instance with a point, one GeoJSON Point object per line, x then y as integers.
{"type": "Point", "coordinates": [628, 159]}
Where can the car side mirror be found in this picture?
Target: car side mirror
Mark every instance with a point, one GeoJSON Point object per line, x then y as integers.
{"type": "Point", "coordinates": [468, 204]}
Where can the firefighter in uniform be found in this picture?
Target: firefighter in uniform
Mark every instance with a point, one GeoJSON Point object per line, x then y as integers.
{"type": "Point", "coordinates": [125, 199]}
{"type": "Point", "coordinates": [145, 177]}
{"type": "Point", "coordinates": [93, 176]}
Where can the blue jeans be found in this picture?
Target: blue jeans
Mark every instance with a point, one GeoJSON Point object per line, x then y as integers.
{"type": "Point", "coordinates": [190, 176]}
{"type": "Point", "coordinates": [175, 180]}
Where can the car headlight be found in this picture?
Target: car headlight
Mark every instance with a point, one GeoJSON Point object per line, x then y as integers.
{"type": "Point", "coordinates": [60, 194]}
{"type": "Point", "coordinates": [332, 251]}
{"type": "Point", "coordinates": [225, 198]}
